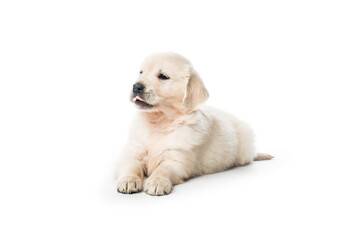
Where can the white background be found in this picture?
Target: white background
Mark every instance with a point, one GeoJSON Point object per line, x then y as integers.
{"type": "Point", "coordinates": [66, 70]}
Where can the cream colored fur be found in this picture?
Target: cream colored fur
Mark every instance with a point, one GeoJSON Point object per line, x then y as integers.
{"type": "Point", "coordinates": [176, 139]}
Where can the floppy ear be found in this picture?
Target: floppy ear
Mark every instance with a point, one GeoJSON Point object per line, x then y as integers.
{"type": "Point", "coordinates": [196, 93]}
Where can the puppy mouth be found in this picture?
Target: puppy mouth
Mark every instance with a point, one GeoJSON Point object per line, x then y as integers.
{"type": "Point", "coordinates": [141, 102]}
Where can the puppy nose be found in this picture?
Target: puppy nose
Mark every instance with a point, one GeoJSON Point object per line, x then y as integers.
{"type": "Point", "coordinates": [138, 88]}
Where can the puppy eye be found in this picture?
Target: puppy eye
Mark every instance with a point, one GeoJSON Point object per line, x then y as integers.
{"type": "Point", "coordinates": [163, 76]}
{"type": "Point", "coordinates": [141, 72]}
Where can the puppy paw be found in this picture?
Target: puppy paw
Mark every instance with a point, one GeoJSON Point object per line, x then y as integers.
{"type": "Point", "coordinates": [158, 186]}
{"type": "Point", "coordinates": [129, 184]}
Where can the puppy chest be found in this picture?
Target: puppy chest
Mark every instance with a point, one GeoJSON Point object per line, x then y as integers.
{"type": "Point", "coordinates": [183, 138]}
{"type": "Point", "coordinates": [158, 145]}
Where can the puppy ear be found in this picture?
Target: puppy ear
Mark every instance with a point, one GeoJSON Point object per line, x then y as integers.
{"type": "Point", "coordinates": [196, 93]}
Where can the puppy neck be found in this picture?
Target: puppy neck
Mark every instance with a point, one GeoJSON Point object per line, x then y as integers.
{"type": "Point", "coordinates": [155, 118]}
{"type": "Point", "coordinates": [164, 118]}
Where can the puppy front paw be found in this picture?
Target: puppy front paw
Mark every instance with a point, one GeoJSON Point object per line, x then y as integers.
{"type": "Point", "coordinates": [129, 184]}
{"type": "Point", "coordinates": [158, 186]}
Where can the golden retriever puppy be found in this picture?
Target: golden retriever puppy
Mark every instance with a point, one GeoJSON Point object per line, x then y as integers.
{"type": "Point", "coordinates": [172, 139]}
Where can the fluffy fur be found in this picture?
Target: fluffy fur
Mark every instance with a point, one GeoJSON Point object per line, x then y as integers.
{"type": "Point", "coordinates": [171, 139]}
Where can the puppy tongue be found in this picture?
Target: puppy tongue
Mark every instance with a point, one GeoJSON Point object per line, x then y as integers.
{"type": "Point", "coordinates": [138, 98]}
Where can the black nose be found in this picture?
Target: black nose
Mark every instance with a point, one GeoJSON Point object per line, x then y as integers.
{"type": "Point", "coordinates": [138, 88]}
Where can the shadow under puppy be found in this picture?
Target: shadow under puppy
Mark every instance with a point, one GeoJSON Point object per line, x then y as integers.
{"type": "Point", "coordinates": [171, 139]}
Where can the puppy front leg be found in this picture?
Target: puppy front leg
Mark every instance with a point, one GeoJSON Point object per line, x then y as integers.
{"type": "Point", "coordinates": [131, 178]}
{"type": "Point", "coordinates": [170, 172]}
{"type": "Point", "coordinates": [130, 173]}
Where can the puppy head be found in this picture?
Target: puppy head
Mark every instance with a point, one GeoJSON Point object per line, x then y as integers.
{"type": "Point", "coordinates": [167, 81]}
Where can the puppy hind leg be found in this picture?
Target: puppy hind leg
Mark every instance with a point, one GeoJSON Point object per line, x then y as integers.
{"type": "Point", "coordinates": [246, 149]}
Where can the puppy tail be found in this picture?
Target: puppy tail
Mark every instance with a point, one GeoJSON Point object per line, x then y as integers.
{"type": "Point", "coordinates": [263, 156]}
